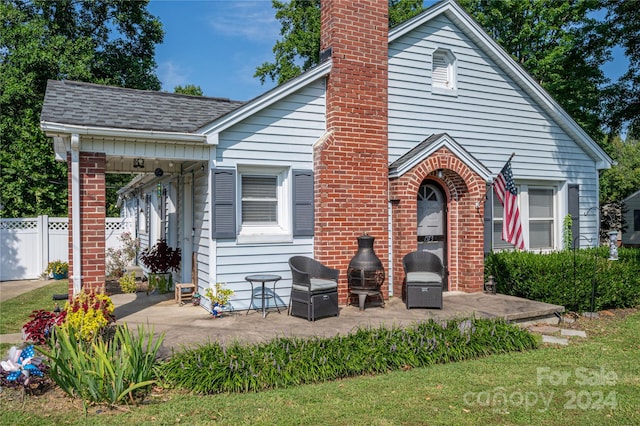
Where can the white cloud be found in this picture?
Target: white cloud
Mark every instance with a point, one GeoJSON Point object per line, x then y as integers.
{"type": "Point", "coordinates": [252, 20]}
{"type": "Point", "coordinates": [172, 75]}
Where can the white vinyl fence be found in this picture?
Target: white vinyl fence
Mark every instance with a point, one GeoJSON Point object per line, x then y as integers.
{"type": "Point", "coordinates": [28, 245]}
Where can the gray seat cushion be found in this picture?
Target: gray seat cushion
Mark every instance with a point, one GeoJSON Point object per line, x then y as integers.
{"type": "Point", "coordinates": [423, 277]}
{"type": "Point", "coordinates": [317, 284]}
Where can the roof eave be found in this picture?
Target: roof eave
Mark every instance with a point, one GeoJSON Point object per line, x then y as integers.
{"type": "Point", "coordinates": [58, 129]}
{"type": "Point", "coordinates": [448, 142]}
{"type": "Point", "coordinates": [266, 99]}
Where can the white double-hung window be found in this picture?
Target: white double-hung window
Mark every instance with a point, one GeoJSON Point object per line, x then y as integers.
{"type": "Point", "coordinates": [259, 200]}
{"type": "Point", "coordinates": [538, 216]}
{"type": "Point", "coordinates": [264, 201]}
{"type": "Point", "coordinates": [541, 218]}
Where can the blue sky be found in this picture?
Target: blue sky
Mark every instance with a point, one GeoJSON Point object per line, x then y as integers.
{"type": "Point", "coordinates": [217, 45]}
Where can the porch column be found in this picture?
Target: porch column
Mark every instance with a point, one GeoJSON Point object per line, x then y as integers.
{"type": "Point", "coordinates": [87, 221]}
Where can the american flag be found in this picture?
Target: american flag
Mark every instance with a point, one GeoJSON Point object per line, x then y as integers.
{"type": "Point", "coordinates": [507, 193]}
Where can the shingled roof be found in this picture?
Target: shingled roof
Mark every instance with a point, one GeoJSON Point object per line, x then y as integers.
{"type": "Point", "coordinates": [94, 105]}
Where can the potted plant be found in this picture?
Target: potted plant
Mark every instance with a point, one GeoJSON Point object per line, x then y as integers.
{"type": "Point", "coordinates": [219, 298]}
{"type": "Point", "coordinates": [58, 269]}
{"type": "Point", "coordinates": [161, 261]}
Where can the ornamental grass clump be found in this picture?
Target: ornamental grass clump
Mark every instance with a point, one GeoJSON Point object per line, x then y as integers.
{"type": "Point", "coordinates": [115, 371]}
{"type": "Point", "coordinates": [289, 361]}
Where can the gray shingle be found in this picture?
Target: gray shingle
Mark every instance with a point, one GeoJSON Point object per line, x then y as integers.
{"type": "Point", "coordinates": [86, 104]}
{"type": "Point", "coordinates": [416, 150]}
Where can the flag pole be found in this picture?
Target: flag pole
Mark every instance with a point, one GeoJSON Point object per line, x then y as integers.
{"type": "Point", "coordinates": [493, 182]}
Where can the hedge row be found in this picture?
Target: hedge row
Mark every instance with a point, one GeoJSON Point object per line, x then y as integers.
{"type": "Point", "coordinates": [568, 277]}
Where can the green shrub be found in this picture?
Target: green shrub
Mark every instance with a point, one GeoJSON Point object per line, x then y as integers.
{"type": "Point", "coordinates": [118, 370]}
{"type": "Point", "coordinates": [128, 283]}
{"type": "Point", "coordinates": [289, 361]}
{"type": "Point", "coordinates": [566, 278]}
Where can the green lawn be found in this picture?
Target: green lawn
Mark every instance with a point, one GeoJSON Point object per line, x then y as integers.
{"type": "Point", "coordinates": [592, 381]}
{"type": "Point", "coordinates": [14, 313]}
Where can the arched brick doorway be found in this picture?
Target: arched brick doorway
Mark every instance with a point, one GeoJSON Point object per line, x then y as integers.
{"type": "Point", "coordinates": [464, 189]}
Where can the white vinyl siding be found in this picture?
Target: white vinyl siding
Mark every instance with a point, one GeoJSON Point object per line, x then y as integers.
{"type": "Point", "coordinates": [201, 225]}
{"type": "Point", "coordinates": [491, 116]}
{"type": "Point", "coordinates": [279, 138]}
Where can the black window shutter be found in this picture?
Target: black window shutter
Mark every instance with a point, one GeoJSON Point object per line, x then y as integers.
{"type": "Point", "coordinates": [488, 222]}
{"type": "Point", "coordinates": [303, 198]}
{"type": "Point", "coordinates": [223, 184]}
{"type": "Point", "coordinates": [574, 211]}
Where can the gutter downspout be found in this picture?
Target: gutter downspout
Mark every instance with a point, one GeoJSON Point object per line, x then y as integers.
{"type": "Point", "coordinates": [75, 213]}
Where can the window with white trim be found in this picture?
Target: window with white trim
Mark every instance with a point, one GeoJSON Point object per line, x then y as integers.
{"type": "Point", "coordinates": [538, 216]}
{"type": "Point", "coordinates": [264, 201]}
{"type": "Point", "coordinates": [541, 218]}
{"type": "Point", "coordinates": [443, 72]}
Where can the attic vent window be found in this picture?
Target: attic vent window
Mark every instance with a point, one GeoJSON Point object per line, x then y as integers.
{"type": "Point", "coordinates": [443, 73]}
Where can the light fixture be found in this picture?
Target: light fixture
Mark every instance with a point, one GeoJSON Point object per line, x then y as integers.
{"type": "Point", "coordinates": [138, 163]}
{"type": "Point", "coordinates": [440, 174]}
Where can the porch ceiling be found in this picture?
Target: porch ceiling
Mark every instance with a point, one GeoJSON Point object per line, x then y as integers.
{"type": "Point", "coordinates": [133, 165]}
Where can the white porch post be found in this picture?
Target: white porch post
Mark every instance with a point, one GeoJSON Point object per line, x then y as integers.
{"type": "Point", "coordinates": [75, 213]}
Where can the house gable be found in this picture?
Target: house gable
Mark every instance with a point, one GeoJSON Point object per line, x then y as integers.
{"type": "Point", "coordinates": [458, 18]}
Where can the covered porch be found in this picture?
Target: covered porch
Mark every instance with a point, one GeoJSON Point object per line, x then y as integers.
{"type": "Point", "coordinates": [98, 130]}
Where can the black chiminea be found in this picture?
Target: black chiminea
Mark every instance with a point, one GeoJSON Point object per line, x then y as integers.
{"type": "Point", "coordinates": [365, 272]}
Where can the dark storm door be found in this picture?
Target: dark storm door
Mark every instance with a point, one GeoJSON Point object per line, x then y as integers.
{"type": "Point", "coordinates": [432, 227]}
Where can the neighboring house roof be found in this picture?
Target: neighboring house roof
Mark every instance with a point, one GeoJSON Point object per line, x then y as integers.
{"type": "Point", "coordinates": [94, 105]}
{"type": "Point", "coordinates": [635, 194]}
{"type": "Point", "coordinates": [474, 31]}
{"type": "Point", "coordinates": [430, 145]}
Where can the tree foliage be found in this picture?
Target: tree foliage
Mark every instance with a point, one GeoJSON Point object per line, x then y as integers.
{"type": "Point", "coordinates": [558, 43]}
{"type": "Point", "coordinates": [101, 41]}
{"type": "Point", "coordinates": [623, 97]}
{"type": "Point", "coordinates": [623, 179]}
{"type": "Point", "coordinates": [299, 48]}
{"type": "Point", "coordinates": [188, 89]}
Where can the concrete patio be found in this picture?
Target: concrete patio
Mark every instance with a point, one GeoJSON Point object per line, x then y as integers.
{"type": "Point", "coordinates": [190, 325]}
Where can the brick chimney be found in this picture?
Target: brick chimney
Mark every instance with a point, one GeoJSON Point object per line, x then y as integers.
{"type": "Point", "coordinates": [351, 165]}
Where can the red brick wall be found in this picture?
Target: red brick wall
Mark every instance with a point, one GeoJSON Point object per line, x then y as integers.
{"type": "Point", "coordinates": [92, 221]}
{"type": "Point", "coordinates": [465, 222]}
{"type": "Point", "coordinates": [351, 165]}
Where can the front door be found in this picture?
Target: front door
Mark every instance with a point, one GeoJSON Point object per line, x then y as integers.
{"type": "Point", "coordinates": [432, 236]}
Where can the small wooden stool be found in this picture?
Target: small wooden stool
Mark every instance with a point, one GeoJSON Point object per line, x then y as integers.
{"type": "Point", "coordinates": [180, 296]}
{"type": "Point", "coordinates": [191, 287]}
